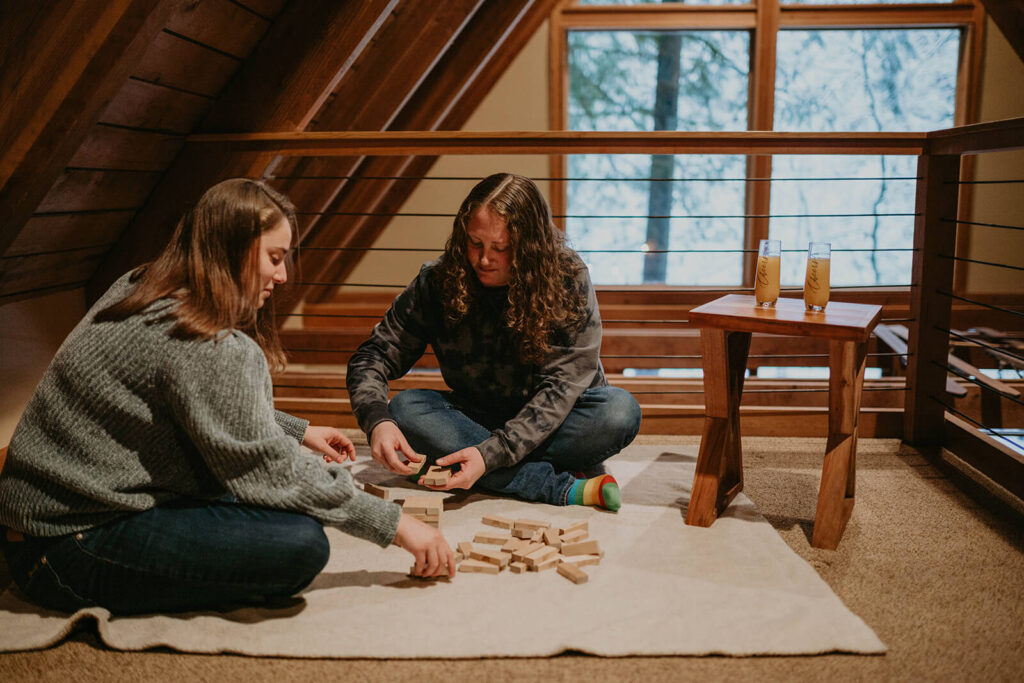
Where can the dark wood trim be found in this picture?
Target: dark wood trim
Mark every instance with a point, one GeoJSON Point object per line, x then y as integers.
{"type": "Point", "coordinates": [929, 339]}
{"type": "Point", "coordinates": [993, 136]}
{"type": "Point", "coordinates": [986, 454]}
{"type": "Point", "coordinates": [1008, 15]}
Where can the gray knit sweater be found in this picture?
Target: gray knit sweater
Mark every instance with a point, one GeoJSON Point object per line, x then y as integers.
{"type": "Point", "coordinates": [127, 418]}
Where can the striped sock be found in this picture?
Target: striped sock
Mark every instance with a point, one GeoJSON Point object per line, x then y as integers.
{"type": "Point", "coordinates": [602, 491]}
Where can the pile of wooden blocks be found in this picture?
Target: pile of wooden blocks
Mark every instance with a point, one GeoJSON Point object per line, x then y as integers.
{"type": "Point", "coordinates": [425, 508]}
{"type": "Point", "coordinates": [530, 545]}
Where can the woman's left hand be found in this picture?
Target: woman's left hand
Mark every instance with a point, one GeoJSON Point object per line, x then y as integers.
{"type": "Point", "coordinates": [334, 445]}
{"type": "Point", "coordinates": [472, 468]}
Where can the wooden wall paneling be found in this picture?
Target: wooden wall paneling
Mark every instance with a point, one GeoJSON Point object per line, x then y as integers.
{"type": "Point", "coordinates": [44, 282]}
{"type": "Point", "coordinates": [219, 24]}
{"type": "Point", "coordinates": [268, 9]}
{"type": "Point", "coordinates": [126, 149]}
{"type": "Point", "coordinates": [445, 100]}
{"type": "Point", "coordinates": [308, 49]}
{"type": "Point", "coordinates": [84, 57]}
{"type": "Point", "coordinates": [153, 107]}
{"type": "Point", "coordinates": [174, 62]}
{"type": "Point", "coordinates": [70, 231]}
{"type": "Point", "coordinates": [372, 95]}
{"type": "Point", "coordinates": [98, 191]}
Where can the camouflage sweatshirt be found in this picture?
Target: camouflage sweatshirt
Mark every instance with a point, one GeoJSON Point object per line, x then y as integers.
{"type": "Point", "coordinates": [479, 361]}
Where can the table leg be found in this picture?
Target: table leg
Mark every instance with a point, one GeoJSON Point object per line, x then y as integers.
{"type": "Point", "coordinates": [719, 475]}
{"type": "Point", "coordinates": [838, 474]}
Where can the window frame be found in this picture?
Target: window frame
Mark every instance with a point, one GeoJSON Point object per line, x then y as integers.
{"type": "Point", "coordinates": [764, 19]}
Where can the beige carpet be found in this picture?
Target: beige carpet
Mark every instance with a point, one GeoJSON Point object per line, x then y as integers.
{"type": "Point", "coordinates": [663, 588]}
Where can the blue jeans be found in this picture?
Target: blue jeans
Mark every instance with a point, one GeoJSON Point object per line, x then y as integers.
{"type": "Point", "coordinates": [603, 421]}
{"type": "Point", "coordinates": [186, 556]}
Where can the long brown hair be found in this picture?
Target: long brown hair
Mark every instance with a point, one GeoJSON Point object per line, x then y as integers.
{"type": "Point", "coordinates": [210, 267]}
{"type": "Point", "coordinates": [542, 292]}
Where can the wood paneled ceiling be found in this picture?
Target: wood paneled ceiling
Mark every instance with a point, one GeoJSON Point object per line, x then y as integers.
{"type": "Point", "coordinates": [95, 107]}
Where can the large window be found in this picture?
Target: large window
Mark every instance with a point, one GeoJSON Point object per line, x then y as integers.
{"type": "Point", "coordinates": [698, 66]}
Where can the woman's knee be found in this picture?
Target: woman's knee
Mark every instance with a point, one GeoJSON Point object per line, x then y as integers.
{"type": "Point", "coordinates": [306, 551]}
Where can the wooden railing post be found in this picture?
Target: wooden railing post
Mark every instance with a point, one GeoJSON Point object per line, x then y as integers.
{"type": "Point", "coordinates": [934, 243]}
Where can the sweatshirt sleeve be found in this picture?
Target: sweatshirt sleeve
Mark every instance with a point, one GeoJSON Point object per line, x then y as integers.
{"type": "Point", "coordinates": [567, 372]}
{"type": "Point", "coordinates": [222, 397]}
{"type": "Point", "coordinates": [394, 346]}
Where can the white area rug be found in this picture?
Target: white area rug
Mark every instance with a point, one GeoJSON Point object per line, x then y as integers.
{"type": "Point", "coordinates": [663, 588]}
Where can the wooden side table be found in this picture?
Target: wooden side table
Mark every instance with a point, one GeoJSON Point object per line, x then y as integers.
{"type": "Point", "coordinates": [726, 325]}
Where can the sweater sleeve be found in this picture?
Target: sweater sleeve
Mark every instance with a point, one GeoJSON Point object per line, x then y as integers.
{"type": "Point", "coordinates": [222, 397]}
{"type": "Point", "coordinates": [567, 372]}
{"type": "Point", "coordinates": [395, 344]}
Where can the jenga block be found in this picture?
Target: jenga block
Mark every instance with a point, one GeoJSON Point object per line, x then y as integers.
{"type": "Point", "coordinates": [374, 490]}
{"type": "Point", "coordinates": [585, 525]}
{"type": "Point", "coordinates": [490, 539]}
{"type": "Point", "coordinates": [582, 560]}
{"type": "Point", "coordinates": [437, 476]}
{"type": "Point", "coordinates": [574, 536]}
{"type": "Point", "coordinates": [517, 567]}
{"type": "Point", "coordinates": [572, 572]}
{"type": "Point", "coordinates": [541, 555]}
{"type": "Point", "coordinates": [423, 505]}
{"type": "Point", "coordinates": [582, 548]}
{"type": "Point", "coordinates": [513, 544]}
{"type": "Point", "coordinates": [479, 567]}
{"type": "Point", "coordinates": [546, 564]}
{"type": "Point", "coordinates": [465, 547]}
{"type": "Point", "coordinates": [435, 577]}
{"type": "Point", "coordinates": [538, 536]}
{"type": "Point", "coordinates": [523, 533]}
{"type": "Point", "coordinates": [520, 555]}
{"type": "Point", "coordinates": [495, 520]}
{"type": "Point", "coordinates": [531, 524]}
{"type": "Point", "coordinates": [459, 557]}
{"type": "Point", "coordinates": [493, 556]}
{"type": "Point", "coordinates": [551, 538]}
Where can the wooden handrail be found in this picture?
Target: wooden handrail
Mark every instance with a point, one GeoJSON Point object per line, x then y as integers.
{"type": "Point", "coordinates": [392, 143]}
{"type": "Point", "coordinates": [992, 136]}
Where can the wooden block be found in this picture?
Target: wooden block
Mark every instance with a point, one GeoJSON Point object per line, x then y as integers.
{"type": "Point", "coordinates": [436, 577]}
{"type": "Point", "coordinates": [459, 557]}
{"type": "Point", "coordinates": [490, 538]}
{"type": "Point", "coordinates": [523, 533]}
{"type": "Point", "coordinates": [374, 490]}
{"type": "Point", "coordinates": [479, 567]}
{"type": "Point", "coordinates": [495, 520]}
{"type": "Point", "coordinates": [582, 548]}
{"type": "Point", "coordinates": [465, 547]}
{"type": "Point", "coordinates": [437, 476]}
{"type": "Point", "coordinates": [538, 536]}
{"type": "Point", "coordinates": [531, 524]}
{"type": "Point", "coordinates": [520, 555]}
{"type": "Point", "coordinates": [574, 536]}
{"type": "Point", "coordinates": [493, 556]}
{"type": "Point", "coordinates": [551, 538]}
{"type": "Point", "coordinates": [423, 504]}
{"type": "Point", "coordinates": [517, 567]}
{"type": "Point", "coordinates": [546, 564]}
{"type": "Point", "coordinates": [542, 554]}
{"type": "Point", "coordinates": [512, 545]}
{"type": "Point", "coordinates": [572, 572]}
{"type": "Point", "coordinates": [585, 525]}
{"type": "Point", "coordinates": [582, 560]}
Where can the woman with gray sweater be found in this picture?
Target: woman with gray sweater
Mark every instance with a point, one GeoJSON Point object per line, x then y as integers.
{"type": "Point", "coordinates": [150, 471]}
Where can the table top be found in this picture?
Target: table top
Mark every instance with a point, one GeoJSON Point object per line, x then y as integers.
{"type": "Point", "coordinates": [740, 312]}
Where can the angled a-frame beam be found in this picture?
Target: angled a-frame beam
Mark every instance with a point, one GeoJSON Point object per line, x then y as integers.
{"type": "Point", "coordinates": [1008, 15]}
{"type": "Point", "coordinates": [444, 101]}
{"type": "Point", "coordinates": [310, 47]}
{"type": "Point", "coordinates": [63, 62]}
{"type": "Point", "coordinates": [373, 95]}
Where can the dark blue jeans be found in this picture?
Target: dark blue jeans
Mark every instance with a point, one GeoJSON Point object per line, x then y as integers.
{"type": "Point", "coordinates": [194, 555]}
{"type": "Point", "coordinates": [603, 422]}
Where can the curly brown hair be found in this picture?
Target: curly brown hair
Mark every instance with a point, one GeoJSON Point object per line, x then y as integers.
{"type": "Point", "coordinates": [543, 297]}
{"type": "Point", "coordinates": [210, 267]}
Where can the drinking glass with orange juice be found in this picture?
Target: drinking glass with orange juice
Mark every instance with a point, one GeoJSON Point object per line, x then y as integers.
{"type": "Point", "coordinates": [766, 280]}
{"type": "Point", "coordinates": [816, 284]}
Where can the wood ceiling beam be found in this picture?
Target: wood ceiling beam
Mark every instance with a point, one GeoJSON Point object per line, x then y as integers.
{"type": "Point", "coordinates": [1008, 15]}
{"type": "Point", "coordinates": [373, 95]}
{"type": "Point", "coordinates": [63, 62]}
{"type": "Point", "coordinates": [311, 46]}
{"type": "Point", "coordinates": [445, 101]}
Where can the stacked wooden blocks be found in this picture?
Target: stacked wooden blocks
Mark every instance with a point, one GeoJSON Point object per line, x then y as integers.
{"type": "Point", "coordinates": [425, 508]}
{"type": "Point", "coordinates": [437, 476]}
{"type": "Point", "coordinates": [530, 545]}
